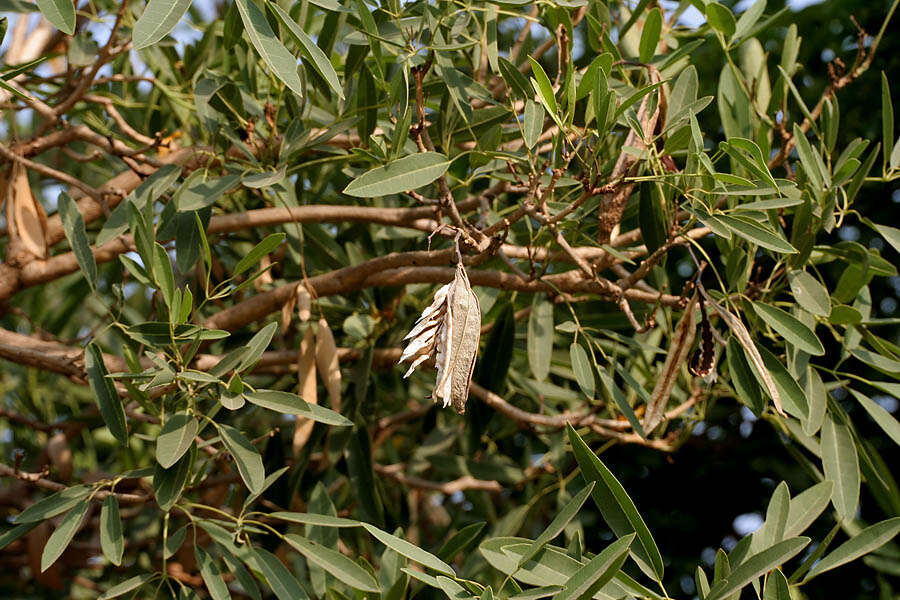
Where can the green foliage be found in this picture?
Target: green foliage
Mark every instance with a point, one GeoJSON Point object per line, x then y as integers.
{"type": "Point", "coordinates": [201, 392]}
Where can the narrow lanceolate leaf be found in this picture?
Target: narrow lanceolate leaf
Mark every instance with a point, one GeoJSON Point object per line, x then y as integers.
{"type": "Point", "coordinates": [558, 523]}
{"type": "Point", "coordinates": [63, 534]}
{"type": "Point", "coordinates": [410, 551]}
{"type": "Point", "coordinates": [584, 372]}
{"type": "Point", "coordinates": [883, 418]}
{"type": "Point", "coordinates": [791, 328]}
{"type": "Point", "coordinates": [806, 507]}
{"type": "Point", "coordinates": [310, 50]}
{"type": "Point", "coordinates": [248, 461]}
{"type": "Point", "coordinates": [73, 224]}
{"type": "Point", "coordinates": [809, 293]}
{"type": "Point", "coordinates": [841, 465]}
{"type": "Point", "coordinates": [175, 438]}
{"type": "Point", "coordinates": [111, 541]}
{"type": "Point", "coordinates": [401, 175]}
{"type": "Point", "coordinates": [755, 566]}
{"type": "Point", "coordinates": [650, 35]}
{"type": "Point", "coordinates": [617, 508]}
{"type": "Point", "coordinates": [761, 236]}
{"type": "Point", "coordinates": [53, 505]}
{"type": "Point", "coordinates": [292, 404]}
{"type": "Point", "coordinates": [269, 47]}
{"type": "Point", "coordinates": [108, 400]}
{"type": "Point", "coordinates": [869, 539]}
{"type": "Point", "coordinates": [60, 13]}
{"type": "Point", "coordinates": [283, 584]}
{"type": "Point", "coordinates": [267, 245]}
{"type": "Point", "coordinates": [448, 331]}
{"type": "Point", "coordinates": [157, 20]}
{"type": "Point", "coordinates": [342, 567]}
{"type": "Point", "coordinates": [588, 580]}
{"type": "Point", "coordinates": [540, 337]}
{"type": "Point", "coordinates": [212, 577]}
{"type": "Point", "coordinates": [126, 586]}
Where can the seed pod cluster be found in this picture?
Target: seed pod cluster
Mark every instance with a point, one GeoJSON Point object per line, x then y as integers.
{"type": "Point", "coordinates": [448, 332]}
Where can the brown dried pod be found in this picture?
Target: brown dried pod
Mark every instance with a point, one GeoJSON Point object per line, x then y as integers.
{"type": "Point", "coordinates": [27, 221]}
{"type": "Point", "coordinates": [448, 332]}
{"type": "Point", "coordinates": [327, 363]}
{"type": "Point", "coordinates": [679, 347]}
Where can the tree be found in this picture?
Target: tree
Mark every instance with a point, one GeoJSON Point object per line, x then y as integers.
{"type": "Point", "coordinates": [200, 340]}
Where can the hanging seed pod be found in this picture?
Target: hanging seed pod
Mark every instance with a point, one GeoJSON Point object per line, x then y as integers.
{"type": "Point", "coordinates": [448, 332]}
{"type": "Point", "coordinates": [26, 219]}
{"type": "Point", "coordinates": [703, 362]}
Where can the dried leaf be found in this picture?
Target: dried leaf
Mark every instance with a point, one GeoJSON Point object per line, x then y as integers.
{"type": "Point", "coordinates": [26, 216]}
{"type": "Point", "coordinates": [448, 331]}
{"type": "Point", "coordinates": [703, 362]}
{"type": "Point", "coordinates": [306, 387]}
{"type": "Point", "coordinates": [327, 363]}
{"type": "Point", "coordinates": [678, 351]}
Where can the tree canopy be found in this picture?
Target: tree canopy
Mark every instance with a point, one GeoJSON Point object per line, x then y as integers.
{"type": "Point", "coordinates": [643, 256]}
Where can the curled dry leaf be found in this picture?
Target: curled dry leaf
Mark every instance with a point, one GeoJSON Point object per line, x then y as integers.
{"type": "Point", "coordinates": [26, 218]}
{"type": "Point", "coordinates": [679, 348]}
{"type": "Point", "coordinates": [327, 363]}
{"type": "Point", "coordinates": [306, 387]}
{"type": "Point", "coordinates": [287, 311]}
{"type": "Point", "coordinates": [448, 332]}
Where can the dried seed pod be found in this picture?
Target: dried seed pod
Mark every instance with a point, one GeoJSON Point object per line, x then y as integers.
{"type": "Point", "coordinates": [304, 303]}
{"type": "Point", "coordinates": [703, 362]}
{"type": "Point", "coordinates": [448, 332]}
{"type": "Point", "coordinates": [26, 219]}
{"type": "Point", "coordinates": [679, 347]}
{"type": "Point", "coordinates": [327, 363]}
{"type": "Point", "coordinates": [306, 375]}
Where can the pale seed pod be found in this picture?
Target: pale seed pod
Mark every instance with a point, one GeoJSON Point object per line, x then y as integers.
{"type": "Point", "coordinates": [448, 332]}
{"type": "Point", "coordinates": [306, 387]}
{"type": "Point", "coordinates": [327, 363]}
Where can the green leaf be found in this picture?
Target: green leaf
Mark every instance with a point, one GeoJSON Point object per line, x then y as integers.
{"type": "Point", "coordinates": [243, 576]}
{"type": "Point", "coordinates": [809, 293]}
{"type": "Point", "coordinates": [617, 508]}
{"type": "Point", "coordinates": [126, 586]}
{"type": "Point", "coordinates": [175, 438]}
{"type": "Point", "coordinates": [292, 404]}
{"type": "Point", "coordinates": [757, 234]}
{"type": "Point", "coordinates": [410, 551]}
{"type": "Point", "coordinates": [806, 507]}
{"type": "Point", "coordinates": [540, 337]}
{"type": "Point", "coordinates": [721, 19]}
{"type": "Point", "coordinates": [533, 123]}
{"type": "Point", "coordinates": [169, 483]}
{"type": "Point", "coordinates": [258, 181]}
{"type": "Point", "coordinates": [53, 505]}
{"type": "Point", "coordinates": [514, 78]}
{"type": "Point", "coordinates": [342, 567]}
{"type": "Point", "coordinates": [269, 243]}
{"type": "Point", "coordinates": [883, 418]}
{"type": "Point", "coordinates": [73, 224]}
{"type": "Point", "coordinates": [309, 49]}
{"type": "Point", "coordinates": [162, 273]}
{"type": "Point", "coordinates": [891, 234]}
{"type": "Point", "coordinates": [584, 372]}
{"type": "Point", "coordinates": [841, 465]}
{"type": "Point", "coordinates": [61, 537]}
{"type": "Point", "coordinates": [269, 47]}
{"type": "Point", "coordinates": [174, 542]}
{"type": "Point", "coordinates": [158, 19]}
{"type": "Point", "coordinates": [887, 121]}
{"type": "Point", "coordinates": [248, 461]}
{"type": "Point", "coordinates": [777, 587]}
{"type": "Point", "coordinates": [598, 571]}
{"type": "Point", "coordinates": [809, 159]}
{"type": "Point", "coordinates": [283, 584]}
{"type": "Point", "coordinates": [749, 18]}
{"type": "Point", "coordinates": [212, 577]}
{"type": "Point", "coordinates": [206, 193]}
{"type": "Point", "coordinates": [544, 88]}
{"type": "Point", "coordinates": [650, 35]}
{"type": "Point", "coordinates": [755, 566]}
{"type": "Point", "coordinates": [314, 519]}
{"type": "Point", "coordinates": [11, 535]}
{"type": "Point", "coordinates": [869, 539]}
{"type": "Point", "coordinates": [790, 327]}
{"type": "Point", "coordinates": [652, 216]}
{"type": "Point", "coordinates": [407, 173]}
{"type": "Point", "coordinates": [558, 523]}
{"type": "Point", "coordinates": [108, 400]}
{"type": "Point", "coordinates": [742, 377]}
{"type": "Point", "coordinates": [460, 541]}
{"type": "Point", "coordinates": [60, 13]}
{"type": "Point", "coordinates": [111, 541]}
{"type": "Point", "coordinates": [793, 398]}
